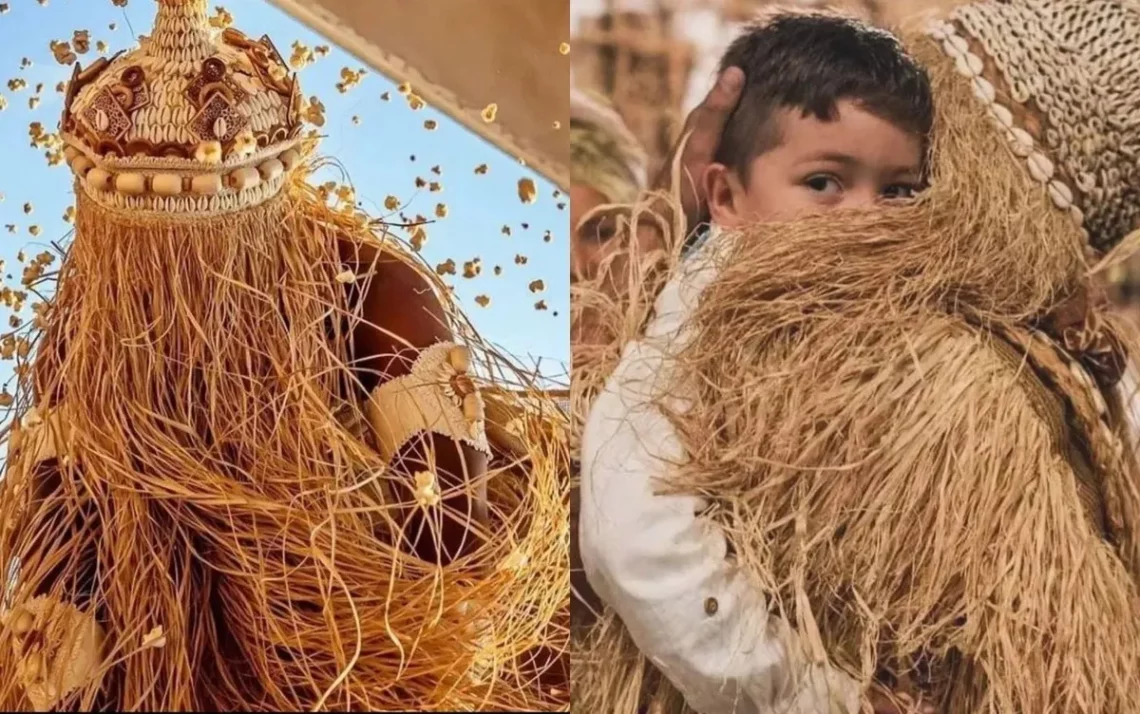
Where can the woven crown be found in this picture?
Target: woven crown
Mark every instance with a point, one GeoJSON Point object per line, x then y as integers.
{"type": "Point", "coordinates": [1076, 63]}
{"type": "Point", "coordinates": [194, 121]}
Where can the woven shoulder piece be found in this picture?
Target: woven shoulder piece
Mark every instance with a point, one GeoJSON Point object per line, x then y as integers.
{"type": "Point", "coordinates": [59, 649]}
{"type": "Point", "coordinates": [192, 122]}
{"type": "Point", "coordinates": [1078, 63]}
{"type": "Point", "coordinates": [437, 396]}
{"type": "Point", "coordinates": [1087, 416]}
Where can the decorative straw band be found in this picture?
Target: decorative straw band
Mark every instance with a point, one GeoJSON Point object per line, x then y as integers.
{"type": "Point", "coordinates": [75, 147]}
{"type": "Point", "coordinates": [181, 193]}
{"type": "Point", "coordinates": [1021, 142]}
{"type": "Point", "coordinates": [437, 396]}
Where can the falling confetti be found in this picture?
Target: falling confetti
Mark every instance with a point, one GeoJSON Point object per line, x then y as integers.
{"type": "Point", "coordinates": [415, 102]}
{"type": "Point", "coordinates": [63, 53]}
{"type": "Point", "coordinates": [356, 120]}
{"type": "Point", "coordinates": [418, 238]}
{"type": "Point", "coordinates": [391, 203]}
{"type": "Point", "coordinates": [520, 259]}
{"type": "Point", "coordinates": [540, 305]}
{"type": "Point", "coordinates": [506, 230]}
{"type": "Point", "coordinates": [437, 170]}
{"type": "Point", "coordinates": [482, 300]}
{"type": "Point", "coordinates": [155, 639]}
{"type": "Point", "coordinates": [441, 210]}
{"type": "Point", "coordinates": [302, 56]}
{"type": "Point", "coordinates": [34, 230]}
{"type": "Point", "coordinates": [25, 63]}
{"type": "Point", "coordinates": [564, 48]}
{"type": "Point", "coordinates": [490, 112]}
{"type": "Point", "coordinates": [498, 270]}
{"type": "Point", "coordinates": [557, 125]}
{"type": "Point", "coordinates": [435, 187]}
{"type": "Point", "coordinates": [527, 191]}
{"type": "Point", "coordinates": [349, 79]}
{"type": "Point", "coordinates": [81, 40]}
{"type": "Point", "coordinates": [536, 286]}
{"type": "Point", "coordinates": [29, 209]}
{"type": "Point", "coordinates": [430, 124]}
{"type": "Point", "coordinates": [16, 84]}
{"type": "Point", "coordinates": [481, 170]}
{"type": "Point", "coordinates": [314, 112]}
{"type": "Point", "coordinates": [447, 267]}
{"type": "Point", "coordinates": [221, 18]}
{"type": "Point", "coordinates": [69, 215]}
{"type": "Point", "coordinates": [472, 268]}
{"type": "Point", "coordinates": [386, 96]}
{"type": "Point", "coordinates": [3, 8]}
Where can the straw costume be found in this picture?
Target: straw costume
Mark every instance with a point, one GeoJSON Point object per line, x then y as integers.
{"type": "Point", "coordinates": [908, 421]}
{"type": "Point", "coordinates": [238, 480]}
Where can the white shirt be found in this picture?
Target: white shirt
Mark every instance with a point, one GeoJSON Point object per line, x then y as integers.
{"type": "Point", "coordinates": [661, 567]}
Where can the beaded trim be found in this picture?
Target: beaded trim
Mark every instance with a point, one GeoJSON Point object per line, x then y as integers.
{"type": "Point", "coordinates": [242, 186]}
{"type": "Point", "coordinates": [1021, 142]}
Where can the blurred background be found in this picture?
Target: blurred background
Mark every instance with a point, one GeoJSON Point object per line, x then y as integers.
{"type": "Point", "coordinates": [656, 59]}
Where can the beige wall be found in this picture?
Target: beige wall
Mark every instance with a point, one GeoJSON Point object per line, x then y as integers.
{"type": "Point", "coordinates": [461, 55]}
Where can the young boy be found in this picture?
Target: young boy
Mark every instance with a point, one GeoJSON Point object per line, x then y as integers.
{"type": "Point", "coordinates": [833, 114]}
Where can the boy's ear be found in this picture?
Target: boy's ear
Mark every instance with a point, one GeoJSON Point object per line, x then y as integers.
{"type": "Point", "coordinates": [725, 194]}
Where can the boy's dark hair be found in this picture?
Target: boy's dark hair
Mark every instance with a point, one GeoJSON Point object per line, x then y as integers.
{"type": "Point", "coordinates": [811, 62]}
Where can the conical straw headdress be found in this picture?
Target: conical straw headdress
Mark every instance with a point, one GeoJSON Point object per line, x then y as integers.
{"type": "Point", "coordinates": [194, 121]}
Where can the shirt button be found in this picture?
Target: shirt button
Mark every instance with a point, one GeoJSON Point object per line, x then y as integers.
{"type": "Point", "coordinates": [711, 606]}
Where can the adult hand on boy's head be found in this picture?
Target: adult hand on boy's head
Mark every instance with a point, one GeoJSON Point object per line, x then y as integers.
{"type": "Point", "coordinates": [703, 127]}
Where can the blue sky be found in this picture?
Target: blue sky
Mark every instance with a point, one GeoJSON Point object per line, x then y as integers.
{"type": "Point", "coordinates": [375, 153]}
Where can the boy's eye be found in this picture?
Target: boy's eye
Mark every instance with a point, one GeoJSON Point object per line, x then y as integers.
{"type": "Point", "coordinates": [900, 190]}
{"type": "Point", "coordinates": [824, 184]}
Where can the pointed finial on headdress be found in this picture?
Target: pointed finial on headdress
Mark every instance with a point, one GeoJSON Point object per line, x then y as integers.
{"type": "Point", "coordinates": [182, 31]}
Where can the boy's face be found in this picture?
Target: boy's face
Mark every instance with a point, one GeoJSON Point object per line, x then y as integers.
{"type": "Point", "coordinates": [856, 160]}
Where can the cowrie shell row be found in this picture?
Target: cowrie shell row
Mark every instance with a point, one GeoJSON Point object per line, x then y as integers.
{"type": "Point", "coordinates": [1022, 142]}
{"type": "Point", "coordinates": [969, 65]}
{"type": "Point", "coordinates": [1061, 194]}
{"type": "Point", "coordinates": [1002, 115]}
{"type": "Point", "coordinates": [171, 185]}
{"type": "Point", "coordinates": [1040, 167]}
